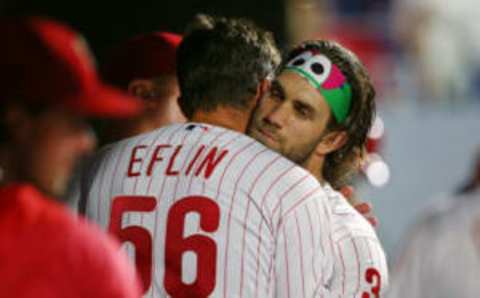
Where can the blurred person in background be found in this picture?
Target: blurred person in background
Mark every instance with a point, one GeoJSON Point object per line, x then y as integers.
{"type": "Point", "coordinates": [145, 66]}
{"type": "Point", "coordinates": [48, 87]}
{"type": "Point", "coordinates": [318, 114]}
{"type": "Point", "coordinates": [442, 43]}
{"type": "Point", "coordinates": [441, 255]}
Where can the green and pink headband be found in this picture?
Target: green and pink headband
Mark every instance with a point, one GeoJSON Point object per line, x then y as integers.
{"type": "Point", "coordinates": [327, 78]}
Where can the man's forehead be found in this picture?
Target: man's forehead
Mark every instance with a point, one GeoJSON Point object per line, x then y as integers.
{"type": "Point", "coordinates": [297, 88]}
{"type": "Point", "coordinates": [295, 81]}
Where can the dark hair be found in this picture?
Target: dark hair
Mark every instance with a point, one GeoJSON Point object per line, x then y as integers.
{"type": "Point", "coordinates": [342, 163]}
{"type": "Point", "coordinates": [221, 62]}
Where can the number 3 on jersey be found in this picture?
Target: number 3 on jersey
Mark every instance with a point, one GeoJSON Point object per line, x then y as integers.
{"type": "Point", "coordinates": [373, 277]}
{"type": "Point", "coordinates": [175, 244]}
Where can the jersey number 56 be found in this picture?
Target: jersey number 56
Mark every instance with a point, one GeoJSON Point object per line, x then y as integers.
{"type": "Point", "coordinates": [175, 243]}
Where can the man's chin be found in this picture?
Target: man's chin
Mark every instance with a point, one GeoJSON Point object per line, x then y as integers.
{"type": "Point", "coordinates": [269, 143]}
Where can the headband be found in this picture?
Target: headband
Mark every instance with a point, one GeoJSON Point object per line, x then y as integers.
{"type": "Point", "coordinates": [327, 78]}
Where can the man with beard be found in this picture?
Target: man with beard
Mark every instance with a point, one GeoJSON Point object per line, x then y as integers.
{"type": "Point", "coordinates": [317, 114]}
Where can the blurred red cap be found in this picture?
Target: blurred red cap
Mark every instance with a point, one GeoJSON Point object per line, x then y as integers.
{"type": "Point", "coordinates": [142, 57]}
{"type": "Point", "coordinates": [43, 61]}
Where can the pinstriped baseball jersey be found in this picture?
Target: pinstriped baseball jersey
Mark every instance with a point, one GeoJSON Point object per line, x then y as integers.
{"type": "Point", "coordinates": [206, 211]}
{"type": "Point", "coordinates": [360, 265]}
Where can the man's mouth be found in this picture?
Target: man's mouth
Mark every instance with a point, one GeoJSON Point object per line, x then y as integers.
{"type": "Point", "coordinates": [267, 134]}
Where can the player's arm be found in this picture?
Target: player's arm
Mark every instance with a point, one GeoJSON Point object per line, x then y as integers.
{"type": "Point", "coordinates": [303, 258]}
{"type": "Point", "coordinates": [362, 267]}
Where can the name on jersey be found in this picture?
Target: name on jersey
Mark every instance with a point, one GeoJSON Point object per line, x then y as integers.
{"type": "Point", "coordinates": [202, 161]}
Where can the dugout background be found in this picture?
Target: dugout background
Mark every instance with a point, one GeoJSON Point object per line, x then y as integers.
{"type": "Point", "coordinates": [105, 23]}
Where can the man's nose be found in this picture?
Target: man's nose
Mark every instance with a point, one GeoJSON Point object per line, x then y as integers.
{"type": "Point", "coordinates": [278, 116]}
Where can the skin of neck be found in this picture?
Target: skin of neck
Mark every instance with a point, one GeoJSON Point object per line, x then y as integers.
{"type": "Point", "coordinates": [231, 117]}
{"type": "Point", "coordinates": [314, 165]}
{"type": "Point", "coordinates": [225, 116]}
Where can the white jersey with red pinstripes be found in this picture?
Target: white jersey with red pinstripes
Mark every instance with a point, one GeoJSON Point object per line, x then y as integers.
{"type": "Point", "coordinates": [360, 265]}
{"type": "Point", "coordinates": [206, 211]}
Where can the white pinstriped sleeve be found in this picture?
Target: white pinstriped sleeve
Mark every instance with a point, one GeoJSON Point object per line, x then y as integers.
{"type": "Point", "coordinates": [363, 269]}
{"type": "Point", "coordinates": [301, 260]}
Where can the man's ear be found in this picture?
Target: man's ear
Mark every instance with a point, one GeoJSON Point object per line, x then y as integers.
{"type": "Point", "coordinates": [331, 142]}
{"type": "Point", "coordinates": [262, 89]}
{"type": "Point", "coordinates": [141, 88]}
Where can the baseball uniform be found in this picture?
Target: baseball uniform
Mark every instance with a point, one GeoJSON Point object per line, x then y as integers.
{"type": "Point", "coordinates": [206, 211]}
{"type": "Point", "coordinates": [360, 265]}
{"type": "Point", "coordinates": [46, 252]}
{"type": "Point", "coordinates": [442, 254]}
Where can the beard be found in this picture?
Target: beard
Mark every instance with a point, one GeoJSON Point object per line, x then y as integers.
{"type": "Point", "coordinates": [301, 154]}
{"type": "Point", "coordinates": [298, 153]}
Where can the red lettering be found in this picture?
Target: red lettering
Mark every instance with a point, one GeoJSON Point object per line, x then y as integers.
{"type": "Point", "coordinates": [155, 158]}
{"type": "Point", "coordinates": [133, 160]}
{"type": "Point", "coordinates": [170, 171]}
{"type": "Point", "coordinates": [210, 163]}
{"type": "Point", "coordinates": [197, 155]}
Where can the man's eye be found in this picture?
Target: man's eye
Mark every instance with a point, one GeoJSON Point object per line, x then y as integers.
{"type": "Point", "coordinates": [302, 112]}
{"type": "Point", "coordinates": [274, 94]}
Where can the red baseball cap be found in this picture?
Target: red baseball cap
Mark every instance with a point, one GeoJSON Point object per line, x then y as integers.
{"type": "Point", "coordinates": [143, 57]}
{"type": "Point", "coordinates": [43, 61]}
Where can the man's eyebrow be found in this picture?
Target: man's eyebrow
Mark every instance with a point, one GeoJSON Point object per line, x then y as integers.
{"type": "Point", "coordinates": [302, 105]}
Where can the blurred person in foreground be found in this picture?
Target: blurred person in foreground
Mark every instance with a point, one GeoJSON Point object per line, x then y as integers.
{"type": "Point", "coordinates": [203, 187]}
{"type": "Point", "coordinates": [145, 66]}
{"type": "Point", "coordinates": [318, 114]}
{"type": "Point", "coordinates": [441, 255]}
{"type": "Point", "coordinates": [48, 87]}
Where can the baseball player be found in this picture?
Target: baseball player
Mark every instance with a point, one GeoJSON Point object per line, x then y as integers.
{"type": "Point", "coordinates": [48, 86]}
{"type": "Point", "coordinates": [206, 210]}
{"type": "Point", "coordinates": [318, 114]}
{"type": "Point", "coordinates": [145, 67]}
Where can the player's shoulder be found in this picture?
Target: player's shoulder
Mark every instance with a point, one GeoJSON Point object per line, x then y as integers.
{"type": "Point", "coordinates": [33, 211]}
{"type": "Point", "coordinates": [29, 206]}
{"type": "Point", "coordinates": [463, 210]}
{"type": "Point", "coordinates": [447, 211]}
{"type": "Point", "coordinates": [185, 134]}
{"type": "Point", "coordinates": [347, 221]}
{"type": "Point", "coordinates": [31, 221]}
{"type": "Point", "coordinates": [247, 152]}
